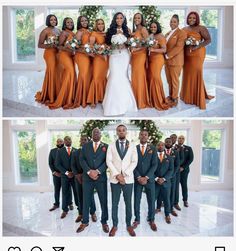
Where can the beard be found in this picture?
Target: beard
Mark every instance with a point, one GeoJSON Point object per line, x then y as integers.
{"type": "Point", "coordinates": [168, 147]}
{"type": "Point", "coordinates": [60, 146]}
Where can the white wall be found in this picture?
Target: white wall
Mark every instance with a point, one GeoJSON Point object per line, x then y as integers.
{"type": "Point", "coordinates": [41, 13]}
{"type": "Point", "coordinates": [195, 136]}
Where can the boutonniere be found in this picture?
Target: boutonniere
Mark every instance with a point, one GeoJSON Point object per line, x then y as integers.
{"type": "Point", "coordinates": [150, 151]}
{"type": "Point", "coordinates": [104, 149]}
{"type": "Point", "coordinates": [186, 150]}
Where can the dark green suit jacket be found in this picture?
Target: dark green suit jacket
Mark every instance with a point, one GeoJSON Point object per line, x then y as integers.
{"type": "Point", "coordinates": [188, 157]}
{"type": "Point", "coordinates": [75, 162]}
{"type": "Point", "coordinates": [175, 155]}
{"type": "Point", "coordinates": [94, 160]}
{"type": "Point", "coordinates": [52, 160]}
{"type": "Point", "coordinates": [147, 163]}
{"type": "Point", "coordinates": [63, 160]}
{"type": "Point", "coordinates": [165, 169]}
{"type": "Point", "coordinates": [180, 150]}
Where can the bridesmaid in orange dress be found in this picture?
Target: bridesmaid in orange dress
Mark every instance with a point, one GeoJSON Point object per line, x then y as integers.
{"type": "Point", "coordinates": [65, 97]}
{"type": "Point", "coordinates": [193, 89]}
{"type": "Point", "coordinates": [156, 62]}
{"type": "Point", "coordinates": [83, 62]}
{"type": "Point", "coordinates": [138, 63]}
{"type": "Point", "coordinates": [100, 66]}
{"type": "Point", "coordinates": [48, 40]}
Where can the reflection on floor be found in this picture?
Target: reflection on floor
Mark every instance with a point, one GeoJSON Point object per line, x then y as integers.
{"type": "Point", "coordinates": [19, 88]}
{"type": "Point", "coordinates": [210, 214]}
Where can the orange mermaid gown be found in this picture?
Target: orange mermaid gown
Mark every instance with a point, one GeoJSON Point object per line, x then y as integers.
{"type": "Point", "coordinates": [138, 75]}
{"type": "Point", "coordinates": [99, 79]}
{"type": "Point", "coordinates": [193, 89]}
{"type": "Point", "coordinates": [83, 62]}
{"type": "Point", "coordinates": [51, 83]}
{"type": "Point", "coordinates": [65, 97]}
{"type": "Point", "coordinates": [156, 91]}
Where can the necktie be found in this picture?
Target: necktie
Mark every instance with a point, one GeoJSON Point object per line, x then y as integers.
{"type": "Point", "coordinates": [95, 147]}
{"type": "Point", "coordinates": [142, 150]}
{"type": "Point", "coordinates": [161, 156]}
{"type": "Point", "coordinates": [168, 151]}
{"type": "Point", "coordinates": [68, 151]}
{"type": "Point", "coordinates": [122, 147]}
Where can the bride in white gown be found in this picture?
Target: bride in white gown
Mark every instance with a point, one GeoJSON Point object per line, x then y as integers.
{"type": "Point", "coordinates": [119, 98]}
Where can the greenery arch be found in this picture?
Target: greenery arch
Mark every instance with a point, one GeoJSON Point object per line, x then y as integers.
{"type": "Point", "coordinates": [154, 133]}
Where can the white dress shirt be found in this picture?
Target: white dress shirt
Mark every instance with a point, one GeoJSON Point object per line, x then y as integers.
{"type": "Point", "coordinates": [145, 147]}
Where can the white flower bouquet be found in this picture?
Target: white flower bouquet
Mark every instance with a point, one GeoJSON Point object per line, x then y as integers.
{"type": "Point", "coordinates": [52, 40]}
{"type": "Point", "coordinates": [192, 41]}
{"type": "Point", "coordinates": [73, 44]}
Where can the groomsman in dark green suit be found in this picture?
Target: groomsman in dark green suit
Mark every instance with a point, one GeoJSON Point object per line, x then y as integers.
{"type": "Point", "coordinates": [63, 163]}
{"type": "Point", "coordinates": [93, 163]}
{"type": "Point", "coordinates": [78, 172]}
{"type": "Point", "coordinates": [163, 174]}
{"type": "Point", "coordinates": [144, 178]}
{"type": "Point", "coordinates": [57, 176]}
{"type": "Point", "coordinates": [175, 155]}
{"type": "Point", "coordinates": [180, 151]}
{"type": "Point", "coordinates": [184, 168]}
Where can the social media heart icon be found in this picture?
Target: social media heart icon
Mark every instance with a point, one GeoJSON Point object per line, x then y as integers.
{"type": "Point", "coordinates": [14, 249]}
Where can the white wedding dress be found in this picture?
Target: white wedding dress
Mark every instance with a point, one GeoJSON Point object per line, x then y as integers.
{"type": "Point", "coordinates": [119, 98]}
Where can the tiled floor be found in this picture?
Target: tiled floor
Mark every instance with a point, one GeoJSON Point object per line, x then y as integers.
{"type": "Point", "coordinates": [19, 88]}
{"type": "Point", "coordinates": [210, 214]}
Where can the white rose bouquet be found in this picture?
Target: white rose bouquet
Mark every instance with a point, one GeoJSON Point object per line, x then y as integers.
{"type": "Point", "coordinates": [52, 40]}
{"type": "Point", "coordinates": [192, 41]}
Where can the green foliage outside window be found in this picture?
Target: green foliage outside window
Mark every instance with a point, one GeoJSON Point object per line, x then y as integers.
{"type": "Point", "coordinates": [25, 34]}
{"type": "Point", "coordinates": [27, 156]}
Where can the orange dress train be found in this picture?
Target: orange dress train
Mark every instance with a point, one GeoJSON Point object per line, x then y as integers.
{"type": "Point", "coordinates": [156, 91]}
{"type": "Point", "coordinates": [193, 89]}
{"type": "Point", "coordinates": [51, 83]}
{"type": "Point", "coordinates": [65, 97]}
{"type": "Point", "coordinates": [138, 75]}
{"type": "Point", "coordinates": [83, 62]}
{"type": "Point", "coordinates": [99, 79]}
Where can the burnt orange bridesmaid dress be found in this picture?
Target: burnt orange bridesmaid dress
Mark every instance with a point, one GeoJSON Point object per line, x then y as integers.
{"type": "Point", "coordinates": [138, 75]}
{"type": "Point", "coordinates": [51, 82]}
{"type": "Point", "coordinates": [83, 62]}
{"type": "Point", "coordinates": [65, 97]}
{"type": "Point", "coordinates": [156, 91]}
{"type": "Point", "coordinates": [193, 89]}
{"type": "Point", "coordinates": [100, 68]}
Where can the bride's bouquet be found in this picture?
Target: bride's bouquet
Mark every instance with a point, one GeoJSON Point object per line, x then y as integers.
{"type": "Point", "coordinates": [117, 41]}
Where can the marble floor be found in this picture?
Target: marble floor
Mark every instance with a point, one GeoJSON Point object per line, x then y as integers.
{"type": "Point", "coordinates": [19, 88]}
{"type": "Point", "coordinates": [26, 214]}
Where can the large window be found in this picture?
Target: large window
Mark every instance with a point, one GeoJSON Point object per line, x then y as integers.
{"type": "Point", "coordinates": [211, 155]}
{"type": "Point", "coordinates": [167, 13]}
{"type": "Point", "coordinates": [26, 157]}
{"type": "Point", "coordinates": [210, 19]}
{"type": "Point", "coordinates": [24, 30]}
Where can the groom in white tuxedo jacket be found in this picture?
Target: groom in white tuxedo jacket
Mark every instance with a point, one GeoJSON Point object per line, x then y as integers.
{"type": "Point", "coordinates": [121, 160]}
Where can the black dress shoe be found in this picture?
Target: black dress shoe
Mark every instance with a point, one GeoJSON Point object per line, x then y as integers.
{"type": "Point", "coordinates": [53, 208]}
{"type": "Point", "coordinates": [186, 204]}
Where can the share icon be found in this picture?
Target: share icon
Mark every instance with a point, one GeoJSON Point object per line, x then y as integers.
{"type": "Point", "coordinates": [58, 248]}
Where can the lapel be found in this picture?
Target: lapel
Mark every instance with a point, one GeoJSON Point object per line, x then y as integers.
{"type": "Point", "coordinates": [126, 148]}
{"type": "Point", "coordinates": [66, 153]}
{"type": "Point", "coordinates": [177, 30]}
{"type": "Point", "coordinates": [148, 148]}
{"type": "Point", "coordinates": [118, 149]}
{"type": "Point", "coordinates": [99, 150]}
